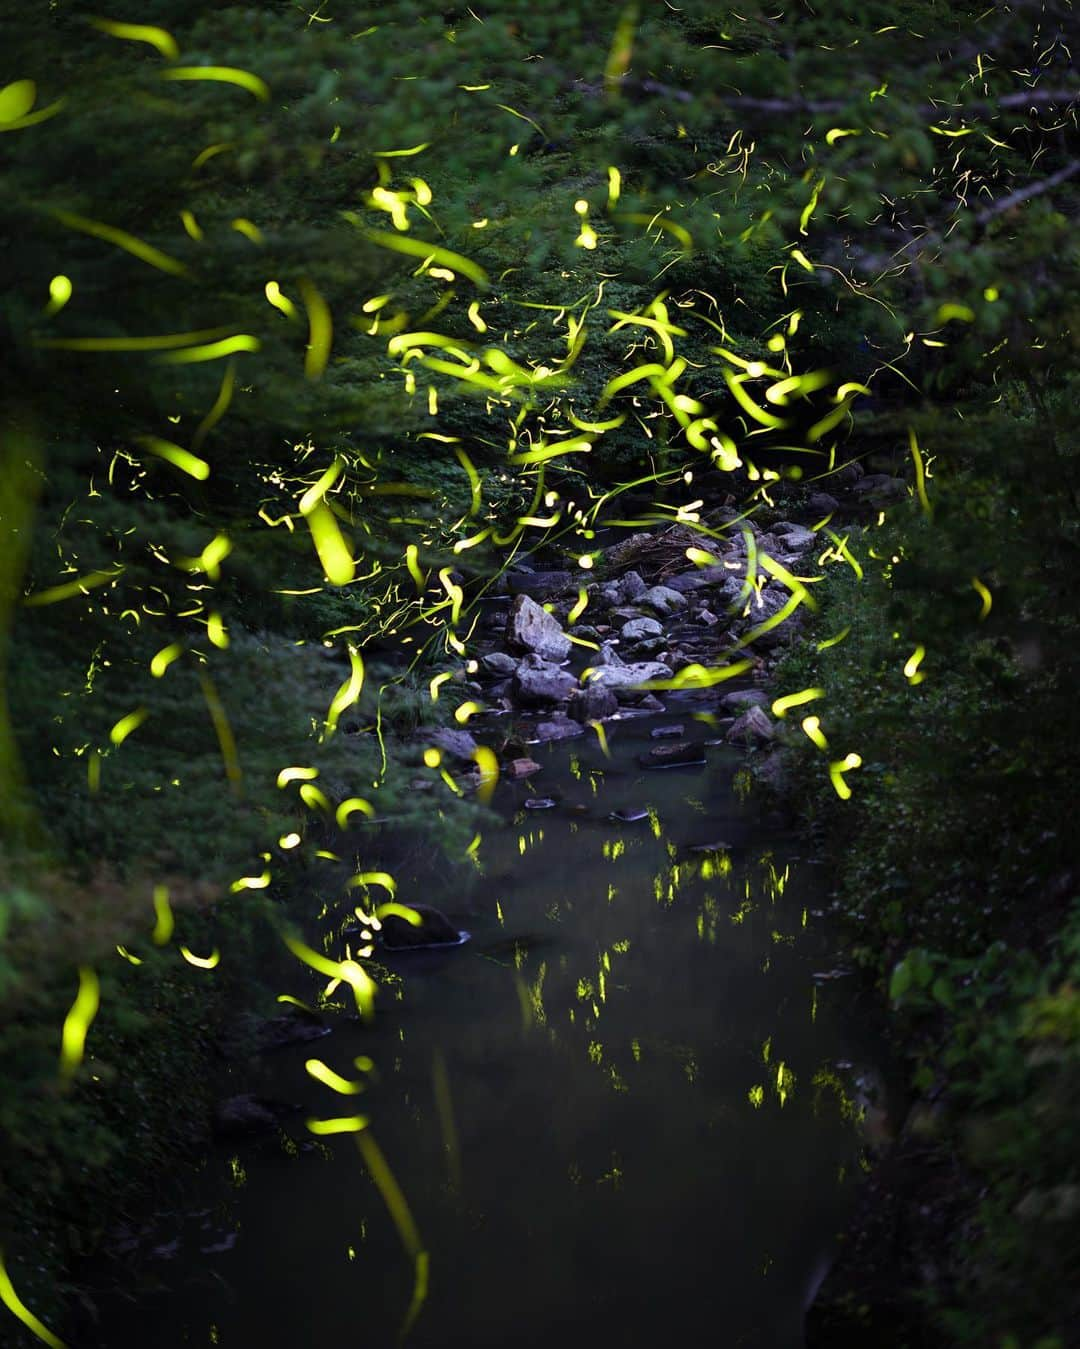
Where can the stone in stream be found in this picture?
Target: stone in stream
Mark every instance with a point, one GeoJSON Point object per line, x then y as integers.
{"type": "Point", "coordinates": [248, 1116]}
{"type": "Point", "coordinates": [684, 755]}
{"type": "Point", "coordinates": [631, 587]}
{"type": "Point", "coordinates": [686, 581]}
{"type": "Point", "coordinates": [531, 628]}
{"type": "Point", "coordinates": [741, 699]}
{"type": "Point", "coordinates": [718, 846]}
{"type": "Point", "coordinates": [540, 803]}
{"type": "Point", "coordinates": [795, 538]}
{"type": "Point", "coordinates": [458, 744]}
{"type": "Point", "coordinates": [663, 600]}
{"type": "Point", "coordinates": [541, 584]}
{"type": "Point", "coordinates": [637, 628]}
{"type": "Point", "coordinates": [498, 663]}
{"type": "Point", "coordinates": [629, 816]}
{"type": "Point", "coordinates": [753, 727]}
{"type": "Point", "coordinates": [667, 732]}
{"type": "Point", "coordinates": [434, 929]}
{"type": "Point", "coordinates": [538, 682]}
{"type": "Point", "coordinates": [522, 768]}
{"type": "Point", "coordinates": [562, 729]}
{"type": "Point", "coordinates": [628, 677]}
{"type": "Point", "coordinates": [291, 1028]}
{"type": "Point", "coordinates": [593, 704]}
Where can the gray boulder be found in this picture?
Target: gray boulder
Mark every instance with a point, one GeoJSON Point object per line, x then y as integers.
{"type": "Point", "coordinates": [562, 729]}
{"type": "Point", "coordinates": [630, 587]}
{"type": "Point", "coordinates": [795, 538]}
{"type": "Point", "coordinates": [593, 703]}
{"type": "Point", "coordinates": [535, 681]}
{"type": "Point", "coordinates": [607, 655]}
{"type": "Point", "coordinates": [663, 600]}
{"type": "Point", "coordinates": [531, 628]}
{"type": "Point", "coordinates": [822, 503]}
{"type": "Point", "coordinates": [458, 744]}
{"type": "Point", "coordinates": [686, 581]}
{"type": "Point", "coordinates": [741, 699]}
{"type": "Point", "coordinates": [539, 584]}
{"type": "Point", "coordinates": [639, 628]}
{"type": "Point", "coordinates": [753, 728]}
{"type": "Point", "coordinates": [628, 676]}
{"type": "Point", "coordinates": [498, 663]}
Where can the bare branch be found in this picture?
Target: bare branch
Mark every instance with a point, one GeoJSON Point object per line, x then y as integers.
{"type": "Point", "coordinates": [1026, 193]}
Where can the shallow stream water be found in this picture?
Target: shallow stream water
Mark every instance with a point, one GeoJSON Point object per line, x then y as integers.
{"type": "Point", "coordinates": [624, 1112]}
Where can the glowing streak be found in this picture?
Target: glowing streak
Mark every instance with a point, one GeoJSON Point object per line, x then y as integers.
{"type": "Point", "coordinates": [810, 207]}
{"type": "Point", "coordinates": [837, 771]}
{"type": "Point", "coordinates": [320, 330]}
{"type": "Point", "coordinates": [314, 798]}
{"type": "Point", "coordinates": [348, 971]}
{"type": "Point", "coordinates": [159, 343]}
{"type": "Point", "coordinates": [54, 594]}
{"type": "Point", "coordinates": [164, 922]}
{"type": "Point", "coordinates": [836, 132]}
{"type": "Point", "coordinates": [911, 666]}
{"type": "Point", "coordinates": [288, 775]}
{"type": "Point", "coordinates": [126, 725]}
{"type": "Point", "coordinates": [154, 257]}
{"type": "Point", "coordinates": [260, 882]}
{"type": "Point", "coordinates": [841, 546]}
{"type": "Point", "coordinates": [474, 479]}
{"type": "Point", "coordinates": [211, 351]}
{"type": "Point", "coordinates": [419, 248]}
{"type": "Point", "coordinates": [176, 455]}
{"type": "Point", "coordinates": [801, 258]}
{"type": "Point", "coordinates": [830, 420]}
{"type": "Point", "coordinates": [812, 727]}
{"type": "Point", "coordinates": [614, 185]}
{"type": "Point", "coordinates": [349, 692]}
{"type": "Point", "coordinates": [354, 805]}
{"type": "Point", "coordinates": [488, 765]}
{"type": "Point", "coordinates": [221, 403]}
{"type": "Point", "coordinates": [601, 736]}
{"type": "Point", "coordinates": [13, 1302]}
{"type": "Point", "coordinates": [834, 641]}
{"type": "Point", "coordinates": [403, 154]}
{"type": "Point", "coordinates": [215, 630]}
{"type": "Point", "coordinates": [419, 579]}
{"type": "Point", "coordinates": [337, 562]}
{"type": "Point", "coordinates": [455, 593]}
{"type": "Point", "coordinates": [984, 595]}
{"type": "Point", "coordinates": [221, 75]}
{"type": "Point", "coordinates": [579, 607]}
{"type": "Point", "coordinates": [475, 319]}
{"type": "Point", "coordinates": [386, 882]}
{"type": "Point", "coordinates": [920, 475]}
{"type": "Point", "coordinates": [280, 302]}
{"type": "Point", "coordinates": [164, 658]}
{"type": "Point", "coordinates": [59, 293]}
{"type": "Point", "coordinates": [77, 1022]}
{"type": "Point", "coordinates": [403, 1220]}
{"type": "Point", "coordinates": [782, 706]}
{"type": "Point", "coordinates": [321, 1073]}
{"type": "Point", "coordinates": [436, 684]}
{"type": "Point", "coordinates": [694, 676]}
{"type": "Point", "coordinates": [350, 1124]}
{"type": "Point", "coordinates": [202, 962]}
{"type": "Point", "coordinates": [287, 841]}
{"type": "Point", "coordinates": [465, 711]}
{"type": "Point", "coordinates": [16, 100]}
{"type": "Point", "coordinates": [735, 384]}
{"type": "Point", "coordinates": [158, 38]}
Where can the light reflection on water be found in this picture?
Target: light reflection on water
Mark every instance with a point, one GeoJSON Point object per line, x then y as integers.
{"type": "Point", "coordinates": [614, 1112]}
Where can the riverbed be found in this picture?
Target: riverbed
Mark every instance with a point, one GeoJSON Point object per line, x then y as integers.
{"type": "Point", "coordinates": [628, 1106]}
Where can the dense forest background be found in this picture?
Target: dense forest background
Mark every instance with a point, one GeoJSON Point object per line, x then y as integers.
{"type": "Point", "coordinates": [315, 319]}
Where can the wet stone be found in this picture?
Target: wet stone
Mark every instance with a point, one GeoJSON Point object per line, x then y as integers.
{"type": "Point", "coordinates": [667, 732]}
{"type": "Point", "coordinates": [522, 768]}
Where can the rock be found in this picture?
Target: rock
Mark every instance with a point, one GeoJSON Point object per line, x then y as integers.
{"type": "Point", "coordinates": [498, 663]}
{"type": "Point", "coordinates": [622, 554]}
{"type": "Point", "coordinates": [538, 682]}
{"type": "Point", "coordinates": [434, 929]}
{"type": "Point", "coordinates": [609, 593]}
{"type": "Point", "coordinates": [795, 538]}
{"type": "Point", "coordinates": [562, 729]}
{"type": "Point", "coordinates": [663, 600]}
{"type": "Point", "coordinates": [651, 703]}
{"type": "Point", "coordinates": [585, 631]}
{"type": "Point", "coordinates": [630, 587]}
{"type": "Point", "coordinates": [880, 487]}
{"type": "Point", "coordinates": [686, 581]}
{"type": "Point", "coordinates": [629, 816]}
{"type": "Point", "coordinates": [821, 503]}
{"type": "Point", "coordinates": [772, 772]}
{"type": "Point", "coordinates": [637, 628]}
{"type": "Point", "coordinates": [628, 676]}
{"type": "Point", "coordinates": [593, 704]}
{"type": "Point", "coordinates": [531, 628]}
{"type": "Point", "coordinates": [607, 655]}
{"type": "Point", "coordinates": [247, 1116]}
{"type": "Point", "coordinates": [666, 732]}
{"type": "Point", "coordinates": [458, 744]}
{"type": "Point", "coordinates": [521, 768]}
{"type": "Point", "coordinates": [718, 845]}
{"type": "Point", "coordinates": [648, 646]}
{"type": "Point", "coordinates": [741, 699]}
{"type": "Point", "coordinates": [707, 617]}
{"type": "Point", "coordinates": [847, 474]}
{"type": "Point", "coordinates": [291, 1028]}
{"type": "Point", "coordinates": [753, 727]}
{"type": "Point", "coordinates": [539, 584]}
{"type": "Point", "coordinates": [672, 756]}
{"type": "Point", "coordinates": [541, 803]}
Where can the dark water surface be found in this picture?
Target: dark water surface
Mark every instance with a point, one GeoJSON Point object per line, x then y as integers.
{"type": "Point", "coordinates": [622, 1113]}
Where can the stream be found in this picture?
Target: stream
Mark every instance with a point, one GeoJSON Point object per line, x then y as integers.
{"type": "Point", "coordinates": [628, 1106]}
